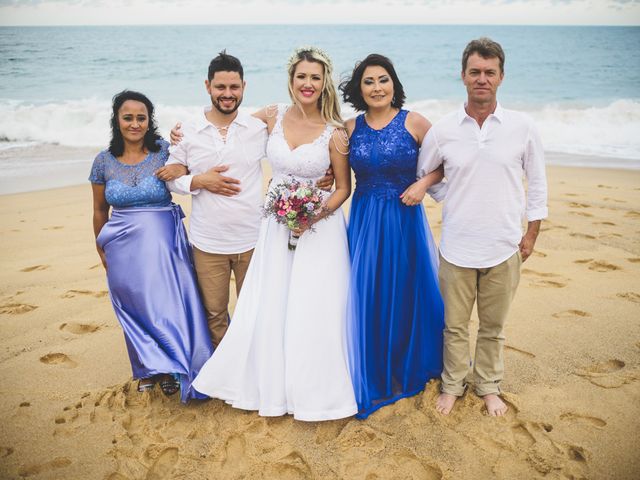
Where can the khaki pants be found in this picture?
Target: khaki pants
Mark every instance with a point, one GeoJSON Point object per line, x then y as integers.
{"type": "Point", "coordinates": [214, 274]}
{"type": "Point", "coordinates": [495, 288]}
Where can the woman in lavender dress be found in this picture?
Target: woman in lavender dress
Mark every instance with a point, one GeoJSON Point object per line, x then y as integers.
{"type": "Point", "coordinates": [144, 249]}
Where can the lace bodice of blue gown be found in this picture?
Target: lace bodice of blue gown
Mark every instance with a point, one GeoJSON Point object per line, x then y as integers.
{"type": "Point", "coordinates": [132, 185]}
{"type": "Point", "coordinates": [385, 160]}
{"type": "Point", "coordinates": [396, 315]}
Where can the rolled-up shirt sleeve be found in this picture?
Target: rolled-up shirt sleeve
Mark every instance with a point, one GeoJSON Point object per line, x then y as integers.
{"type": "Point", "coordinates": [181, 185]}
{"type": "Point", "coordinates": [429, 159]}
{"type": "Point", "coordinates": [534, 169]}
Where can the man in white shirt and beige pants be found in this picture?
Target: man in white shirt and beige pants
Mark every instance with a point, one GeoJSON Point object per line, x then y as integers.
{"type": "Point", "coordinates": [486, 150]}
{"type": "Point", "coordinates": [225, 217]}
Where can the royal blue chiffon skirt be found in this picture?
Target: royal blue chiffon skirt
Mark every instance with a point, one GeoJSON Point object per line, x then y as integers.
{"type": "Point", "coordinates": [155, 295]}
{"type": "Point", "coordinates": [396, 314]}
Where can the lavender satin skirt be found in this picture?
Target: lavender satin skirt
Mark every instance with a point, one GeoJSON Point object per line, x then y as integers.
{"type": "Point", "coordinates": [155, 294]}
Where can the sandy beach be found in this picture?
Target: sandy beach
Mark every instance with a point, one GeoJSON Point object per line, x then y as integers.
{"type": "Point", "coordinates": [572, 357]}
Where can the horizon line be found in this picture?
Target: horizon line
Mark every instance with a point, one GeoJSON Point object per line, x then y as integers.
{"type": "Point", "coordinates": [324, 24]}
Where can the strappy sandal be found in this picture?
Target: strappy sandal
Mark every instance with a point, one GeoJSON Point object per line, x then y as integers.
{"type": "Point", "coordinates": [146, 384]}
{"type": "Point", "coordinates": [169, 385]}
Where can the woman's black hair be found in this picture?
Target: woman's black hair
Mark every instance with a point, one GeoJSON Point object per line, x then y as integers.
{"type": "Point", "coordinates": [350, 88]}
{"type": "Point", "coordinates": [116, 146]}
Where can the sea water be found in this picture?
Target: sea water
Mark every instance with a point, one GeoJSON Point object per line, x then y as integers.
{"type": "Point", "coordinates": [581, 85]}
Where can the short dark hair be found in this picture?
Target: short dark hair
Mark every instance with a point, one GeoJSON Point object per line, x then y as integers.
{"type": "Point", "coordinates": [486, 48]}
{"type": "Point", "coordinates": [350, 88]}
{"type": "Point", "coordinates": [225, 63]}
{"type": "Point", "coordinates": [151, 137]}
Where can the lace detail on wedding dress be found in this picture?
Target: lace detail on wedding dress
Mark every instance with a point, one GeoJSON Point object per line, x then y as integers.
{"type": "Point", "coordinates": [306, 161]}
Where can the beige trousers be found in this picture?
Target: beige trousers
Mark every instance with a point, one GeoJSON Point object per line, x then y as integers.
{"type": "Point", "coordinates": [494, 288]}
{"type": "Point", "coordinates": [214, 274]}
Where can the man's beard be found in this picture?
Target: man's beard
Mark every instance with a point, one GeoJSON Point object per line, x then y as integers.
{"type": "Point", "coordinates": [217, 106]}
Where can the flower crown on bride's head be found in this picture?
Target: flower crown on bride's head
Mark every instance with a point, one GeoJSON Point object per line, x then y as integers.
{"type": "Point", "coordinates": [315, 52]}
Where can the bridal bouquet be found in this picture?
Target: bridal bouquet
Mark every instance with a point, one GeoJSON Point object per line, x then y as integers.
{"type": "Point", "coordinates": [294, 203]}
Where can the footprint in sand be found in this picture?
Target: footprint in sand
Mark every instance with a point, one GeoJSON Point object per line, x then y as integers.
{"type": "Point", "coordinates": [631, 296]}
{"type": "Point", "coordinates": [571, 195]}
{"type": "Point", "coordinates": [58, 359]}
{"type": "Point", "coordinates": [610, 224]}
{"type": "Point", "coordinates": [116, 476]}
{"type": "Point", "coordinates": [610, 235]}
{"type": "Point", "coordinates": [97, 265]}
{"type": "Point", "coordinates": [632, 214]}
{"type": "Point", "coordinates": [550, 226]}
{"type": "Point", "coordinates": [582, 214]}
{"type": "Point", "coordinates": [633, 260]}
{"type": "Point", "coordinates": [577, 454]}
{"type": "Point", "coordinates": [522, 435]}
{"type": "Point", "coordinates": [28, 470]}
{"type": "Point", "coordinates": [582, 235]}
{"type": "Point", "coordinates": [5, 451]}
{"type": "Point", "coordinates": [398, 463]}
{"type": "Point", "coordinates": [579, 205]}
{"type": "Point", "coordinates": [234, 452]}
{"type": "Point", "coordinates": [547, 284]}
{"type": "Point", "coordinates": [326, 431]}
{"type": "Point", "coordinates": [35, 268]}
{"type": "Point", "coordinates": [607, 186]}
{"type": "Point", "coordinates": [602, 266]}
{"type": "Point", "coordinates": [583, 419]}
{"type": "Point", "coordinates": [570, 314]}
{"type": "Point", "coordinates": [526, 271]}
{"type": "Point", "coordinates": [609, 199]}
{"type": "Point", "coordinates": [361, 437]}
{"type": "Point", "coordinates": [162, 466]}
{"type": "Point", "coordinates": [74, 293]}
{"type": "Point", "coordinates": [523, 352]}
{"type": "Point", "coordinates": [583, 260]}
{"type": "Point", "coordinates": [609, 366]}
{"type": "Point", "coordinates": [78, 328]}
{"type": "Point", "coordinates": [54, 227]}
{"type": "Point", "coordinates": [609, 374]}
{"type": "Point", "coordinates": [539, 254]}
{"type": "Point", "coordinates": [291, 466]}
{"type": "Point", "coordinates": [16, 308]}
{"type": "Point", "coordinates": [25, 404]}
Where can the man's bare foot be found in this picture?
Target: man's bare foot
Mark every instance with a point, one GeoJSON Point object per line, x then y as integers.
{"type": "Point", "coordinates": [495, 406]}
{"type": "Point", "coordinates": [445, 402]}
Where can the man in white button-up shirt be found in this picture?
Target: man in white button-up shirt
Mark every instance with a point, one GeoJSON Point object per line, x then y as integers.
{"type": "Point", "coordinates": [486, 150]}
{"type": "Point", "coordinates": [225, 216]}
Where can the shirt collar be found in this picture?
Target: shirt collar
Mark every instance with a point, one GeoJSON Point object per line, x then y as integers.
{"type": "Point", "coordinates": [202, 122]}
{"type": "Point", "coordinates": [498, 113]}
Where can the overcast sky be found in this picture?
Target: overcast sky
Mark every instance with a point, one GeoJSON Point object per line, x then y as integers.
{"type": "Point", "coordinates": [175, 12]}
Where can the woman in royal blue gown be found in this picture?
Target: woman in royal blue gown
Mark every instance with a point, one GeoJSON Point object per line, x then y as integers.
{"type": "Point", "coordinates": [144, 249]}
{"type": "Point", "coordinates": [396, 311]}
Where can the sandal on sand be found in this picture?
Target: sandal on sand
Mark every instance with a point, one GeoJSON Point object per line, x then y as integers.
{"type": "Point", "coordinates": [169, 385]}
{"type": "Point", "coordinates": [146, 384]}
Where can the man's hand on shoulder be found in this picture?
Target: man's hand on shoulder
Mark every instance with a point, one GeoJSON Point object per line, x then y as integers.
{"type": "Point", "coordinates": [176, 134]}
{"type": "Point", "coordinates": [213, 181]}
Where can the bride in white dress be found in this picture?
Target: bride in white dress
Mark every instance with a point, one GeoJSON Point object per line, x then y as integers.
{"type": "Point", "coordinates": [285, 349]}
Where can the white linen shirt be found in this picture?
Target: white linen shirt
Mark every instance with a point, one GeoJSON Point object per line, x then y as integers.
{"type": "Point", "coordinates": [484, 196]}
{"type": "Point", "coordinates": [220, 224]}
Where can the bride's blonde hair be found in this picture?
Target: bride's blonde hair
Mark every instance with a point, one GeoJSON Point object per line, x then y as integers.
{"type": "Point", "coordinates": [328, 102]}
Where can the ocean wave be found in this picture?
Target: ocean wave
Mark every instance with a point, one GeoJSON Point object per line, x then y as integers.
{"type": "Point", "coordinates": [603, 131]}
{"type": "Point", "coordinates": [607, 131]}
